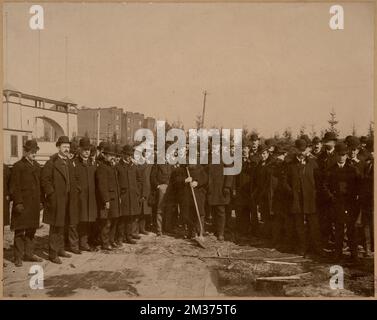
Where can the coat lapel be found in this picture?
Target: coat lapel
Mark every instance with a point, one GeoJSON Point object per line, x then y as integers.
{"type": "Point", "coordinates": [59, 166]}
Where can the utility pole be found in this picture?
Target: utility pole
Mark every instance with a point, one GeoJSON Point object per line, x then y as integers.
{"type": "Point", "coordinates": [204, 107]}
{"type": "Point", "coordinates": [98, 124]}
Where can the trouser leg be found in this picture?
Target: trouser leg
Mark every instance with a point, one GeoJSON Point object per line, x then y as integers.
{"type": "Point", "coordinates": [277, 224]}
{"type": "Point", "coordinates": [254, 222]}
{"type": "Point", "coordinates": [315, 234]}
{"type": "Point", "coordinates": [120, 230]}
{"type": "Point", "coordinates": [113, 228]}
{"type": "Point", "coordinates": [351, 232]}
{"type": "Point", "coordinates": [105, 231]}
{"type": "Point", "coordinates": [142, 222]}
{"type": "Point", "coordinates": [56, 241]}
{"type": "Point", "coordinates": [19, 244]}
{"type": "Point", "coordinates": [29, 242]}
{"type": "Point", "coordinates": [301, 232]}
{"type": "Point", "coordinates": [71, 237]}
{"type": "Point", "coordinates": [83, 231]}
{"type": "Point", "coordinates": [339, 230]}
{"type": "Point", "coordinates": [219, 214]}
{"type": "Point", "coordinates": [160, 210]}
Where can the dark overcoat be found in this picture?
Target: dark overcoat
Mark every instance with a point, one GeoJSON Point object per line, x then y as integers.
{"type": "Point", "coordinates": [199, 174]}
{"type": "Point", "coordinates": [6, 195]}
{"type": "Point", "coordinates": [264, 184]}
{"type": "Point", "coordinates": [107, 187]}
{"type": "Point", "coordinates": [301, 180]}
{"type": "Point", "coordinates": [25, 188]}
{"type": "Point", "coordinates": [281, 199]}
{"type": "Point", "coordinates": [342, 185]}
{"type": "Point", "coordinates": [130, 182]}
{"type": "Point", "coordinates": [217, 183]}
{"type": "Point", "coordinates": [243, 184]}
{"type": "Point", "coordinates": [87, 203]}
{"type": "Point", "coordinates": [144, 171]}
{"type": "Point", "coordinates": [60, 208]}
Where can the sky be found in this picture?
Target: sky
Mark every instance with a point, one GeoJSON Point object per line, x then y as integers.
{"type": "Point", "coordinates": [265, 66]}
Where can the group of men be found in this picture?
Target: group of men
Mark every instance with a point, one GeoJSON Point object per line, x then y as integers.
{"type": "Point", "coordinates": [299, 198]}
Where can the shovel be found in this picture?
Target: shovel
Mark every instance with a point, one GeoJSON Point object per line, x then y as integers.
{"type": "Point", "coordinates": [199, 239]}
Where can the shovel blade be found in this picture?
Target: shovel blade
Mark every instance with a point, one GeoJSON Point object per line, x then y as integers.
{"type": "Point", "coordinates": [200, 242]}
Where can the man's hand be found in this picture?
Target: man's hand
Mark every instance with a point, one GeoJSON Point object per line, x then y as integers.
{"type": "Point", "coordinates": [188, 180]}
{"type": "Point", "coordinates": [19, 208]}
{"type": "Point", "coordinates": [107, 205]}
{"type": "Point", "coordinates": [194, 184]}
{"type": "Point", "coordinates": [162, 187]}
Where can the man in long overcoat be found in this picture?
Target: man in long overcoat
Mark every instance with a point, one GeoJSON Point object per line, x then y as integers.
{"type": "Point", "coordinates": [59, 183]}
{"type": "Point", "coordinates": [342, 186]}
{"type": "Point", "coordinates": [108, 198]}
{"type": "Point", "coordinates": [27, 198]}
{"type": "Point", "coordinates": [198, 180]}
{"type": "Point", "coordinates": [301, 179]}
{"type": "Point", "coordinates": [144, 172]}
{"type": "Point", "coordinates": [262, 190]}
{"type": "Point", "coordinates": [87, 204]}
{"type": "Point", "coordinates": [219, 193]}
{"type": "Point", "coordinates": [130, 185]}
{"type": "Point", "coordinates": [325, 160]}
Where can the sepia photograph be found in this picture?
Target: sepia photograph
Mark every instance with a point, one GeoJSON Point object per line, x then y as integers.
{"type": "Point", "coordinates": [191, 150]}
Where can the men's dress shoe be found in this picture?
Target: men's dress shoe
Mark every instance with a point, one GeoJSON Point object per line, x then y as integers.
{"type": "Point", "coordinates": [33, 258]}
{"type": "Point", "coordinates": [220, 238]}
{"type": "Point", "coordinates": [75, 251]}
{"type": "Point", "coordinates": [64, 254]}
{"type": "Point", "coordinates": [56, 260]}
{"type": "Point", "coordinates": [18, 263]}
{"type": "Point", "coordinates": [159, 233]}
{"type": "Point", "coordinates": [144, 232]}
{"type": "Point", "coordinates": [115, 245]}
{"type": "Point", "coordinates": [85, 248]}
{"type": "Point", "coordinates": [106, 247]}
{"type": "Point", "coordinates": [130, 241]}
{"type": "Point", "coordinates": [136, 236]}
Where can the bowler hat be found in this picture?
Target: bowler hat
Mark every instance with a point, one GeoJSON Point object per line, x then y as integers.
{"type": "Point", "coordinates": [262, 148]}
{"type": "Point", "coordinates": [31, 145]}
{"type": "Point", "coordinates": [306, 138]}
{"type": "Point", "coordinates": [128, 150]}
{"type": "Point", "coordinates": [341, 148]}
{"type": "Point", "coordinates": [254, 137]}
{"type": "Point", "coordinates": [329, 136]}
{"type": "Point", "coordinates": [301, 145]}
{"type": "Point", "coordinates": [101, 145]}
{"type": "Point", "coordinates": [353, 142]}
{"type": "Point", "coordinates": [109, 148]}
{"type": "Point", "coordinates": [270, 142]}
{"type": "Point", "coordinates": [85, 143]}
{"type": "Point", "coordinates": [363, 139]}
{"type": "Point", "coordinates": [61, 140]}
{"type": "Point", "coordinates": [280, 149]}
{"type": "Point", "coordinates": [316, 140]}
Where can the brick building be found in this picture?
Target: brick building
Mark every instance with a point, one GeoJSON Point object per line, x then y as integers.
{"type": "Point", "coordinates": [113, 124]}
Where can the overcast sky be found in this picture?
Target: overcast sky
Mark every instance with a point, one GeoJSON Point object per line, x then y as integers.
{"type": "Point", "coordinates": [265, 66]}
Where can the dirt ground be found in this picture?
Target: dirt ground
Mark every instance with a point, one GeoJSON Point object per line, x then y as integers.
{"type": "Point", "coordinates": [174, 267]}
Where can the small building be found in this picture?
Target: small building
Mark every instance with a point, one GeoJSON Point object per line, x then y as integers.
{"type": "Point", "coordinates": [27, 116]}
